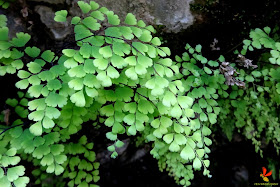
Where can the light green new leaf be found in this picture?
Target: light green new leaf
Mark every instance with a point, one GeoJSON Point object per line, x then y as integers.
{"type": "Point", "coordinates": [36, 115]}
{"type": "Point", "coordinates": [176, 111]}
{"type": "Point", "coordinates": [168, 138]}
{"type": "Point", "coordinates": [174, 147]}
{"type": "Point", "coordinates": [106, 51]}
{"type": "Point", "coordinates": [130, 73]}
{"type": "Point", "coordinates": [169, 99]}
{"type": "Point", "coordinates": [197, 163]}
{"type": "Point", "coordinates": [101, 63]}
{"type": "Point", "coordinates": [185, 101]}
{"type": "Point", "coordinates": [77, 71]}
{"type": "Point", "coordinates": [15, 172]}
{"type": "Point", "coordinates": [21, 182]}
{"type": "Point", "coordinates": [91, 92]}
{"type": "Point", "coordinates": [112, 72]}
{"type": "Point", "coordinates": [187, 153]}
{"type": "Point", "coordinates": [47, 160]}
{"type": "Point", "coordinates": [212, 118]}
{"type": "Point", "coordinates": [11, 152]}
{"type": "Point", "coordinates": [48, 123]}
{"type": "Point", "coordinates": [206, 131]}
{"type": "Point", "coordinates": [76, 84]}
{"type": "Point", "coordinates": [78, 99]}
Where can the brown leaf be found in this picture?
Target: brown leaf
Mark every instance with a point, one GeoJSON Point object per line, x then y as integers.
{"type": "Point", "coordinates": [245, 62]}
{"type": "Point", "coordinates": [229, 72]}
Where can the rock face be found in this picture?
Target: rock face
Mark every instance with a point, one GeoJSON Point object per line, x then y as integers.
{"type": "Point", "coordinates": [174, 14]}
{"type": "Point", "coordinates": [50, 1]}
{"type": "Point", "coordinates": [58, 30]}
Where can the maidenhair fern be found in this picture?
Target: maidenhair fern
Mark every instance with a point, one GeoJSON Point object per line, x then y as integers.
{"type": "Point", "coordinates": [255, 108]}
{"type": "Point", "coordinates": [119, 76]}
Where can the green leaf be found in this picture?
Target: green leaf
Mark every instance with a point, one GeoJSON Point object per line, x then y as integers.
{"type": "Point", "coordinates": [112, 72]}
{"type": "Point", "coordinates": [197, 163]}
{"type": "Point", "coordinates": [168, 138]}
{"type": "Point", "coordinates": [130, 19]}
{"type": "Point", "coordinates": [156, 41]}
{"type": "Point", "coordinates": [119, 144]}
{"type": "Point", "coordinates": [55, 100]}
{"type": "Point", "coordinates": [111, 148]}
{"type": "Point", "coordinates": [60, 16]}
{"type": "Point", "coordinates": [75, 20]}
{"type": "Point", "coordinates": [76, 84]}
{"type": "Point", "coordinates": [34, 67]}
{"type": "Point", "coordinates": [101, 63]}
{"type": "Point", "coordinates": [3, 20]}
{"type": "Point", "coordinates": [200, 152]}
{"type": "Point", "coordinates": [91, 23]}
{"type": "Point", "coordinates": [198, 48]}
{"type": "Point", "coordinates": [206, 163]}
{"type": "Point", "coordinates": [12, 102]}
{"type": "Point", "coordinates": [47, 160]}
{"type": "Point", "coordinates": [98, 15]}
{"type": "Point", "coordinates": [112, 18]}
{"type": "Point", "coordinates": [106, 51]}
{"type": "Point", "coordinates": [249, 78]}
{"type": "Point", "coordinates": [77, 71]}
{"type": "Point", "coordinates": [21, 40]}
{"type": "Point", "coordinates": [54, 85]}
{"type": "Point", "coordinates": [32, 52]}
{"type": "Point", "coordinates": [48, 123]}
{"type": "Point", "coordinates": [15, 172]}
{"type": "Point", "coordinates": [187, 153]}
{"type": "Point", "coordinates": [169, 99]}
{"type": "Point", "coordinates": [47, 55]}
{"type": "Point", "coordinates": [174, 147]}
{"type": "Point", "coordinates": [176, 111]}
{"type": "Point", "coordinates": [11, 152]}
{"type": "Point", "coordinates": [94, 5]}
{"type": "Point", "coordinates": [146, 36]}
{"type": "Point", "coordinates": [141, 23]}
{"type": "Point", "coordinates": [212, 118]}
{"type": "Point", "coordinates": [85, 7]}
{"type": "Point", "coordinates": [118, 128]}
{"type": "Point", "coordinates": [206, 131]}
{"type": "Point", "coordinates": [247, 42]}
{"type": "Point", "coordinates": [4, 31]}
{"type": "Point", "coordinates": [78, 99]}
{"type": "Point", "coordinates": [21, 182]}
{"type": "Point", "coordinates": [130, 73]}
{"type": "Point", "coordinates": [185, 101]}
{"type": "Point", "coordinates": [111, 136]}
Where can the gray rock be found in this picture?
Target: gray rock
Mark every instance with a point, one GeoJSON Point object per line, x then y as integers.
{"type": "Point", "coordinates": [14, 23]}
{"type": "Point", "coordinates": [58, 30]}
{"type": "Point", "coordinates": [50, 1]}
{"type": "Point", "coordinates": [174, 14]}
